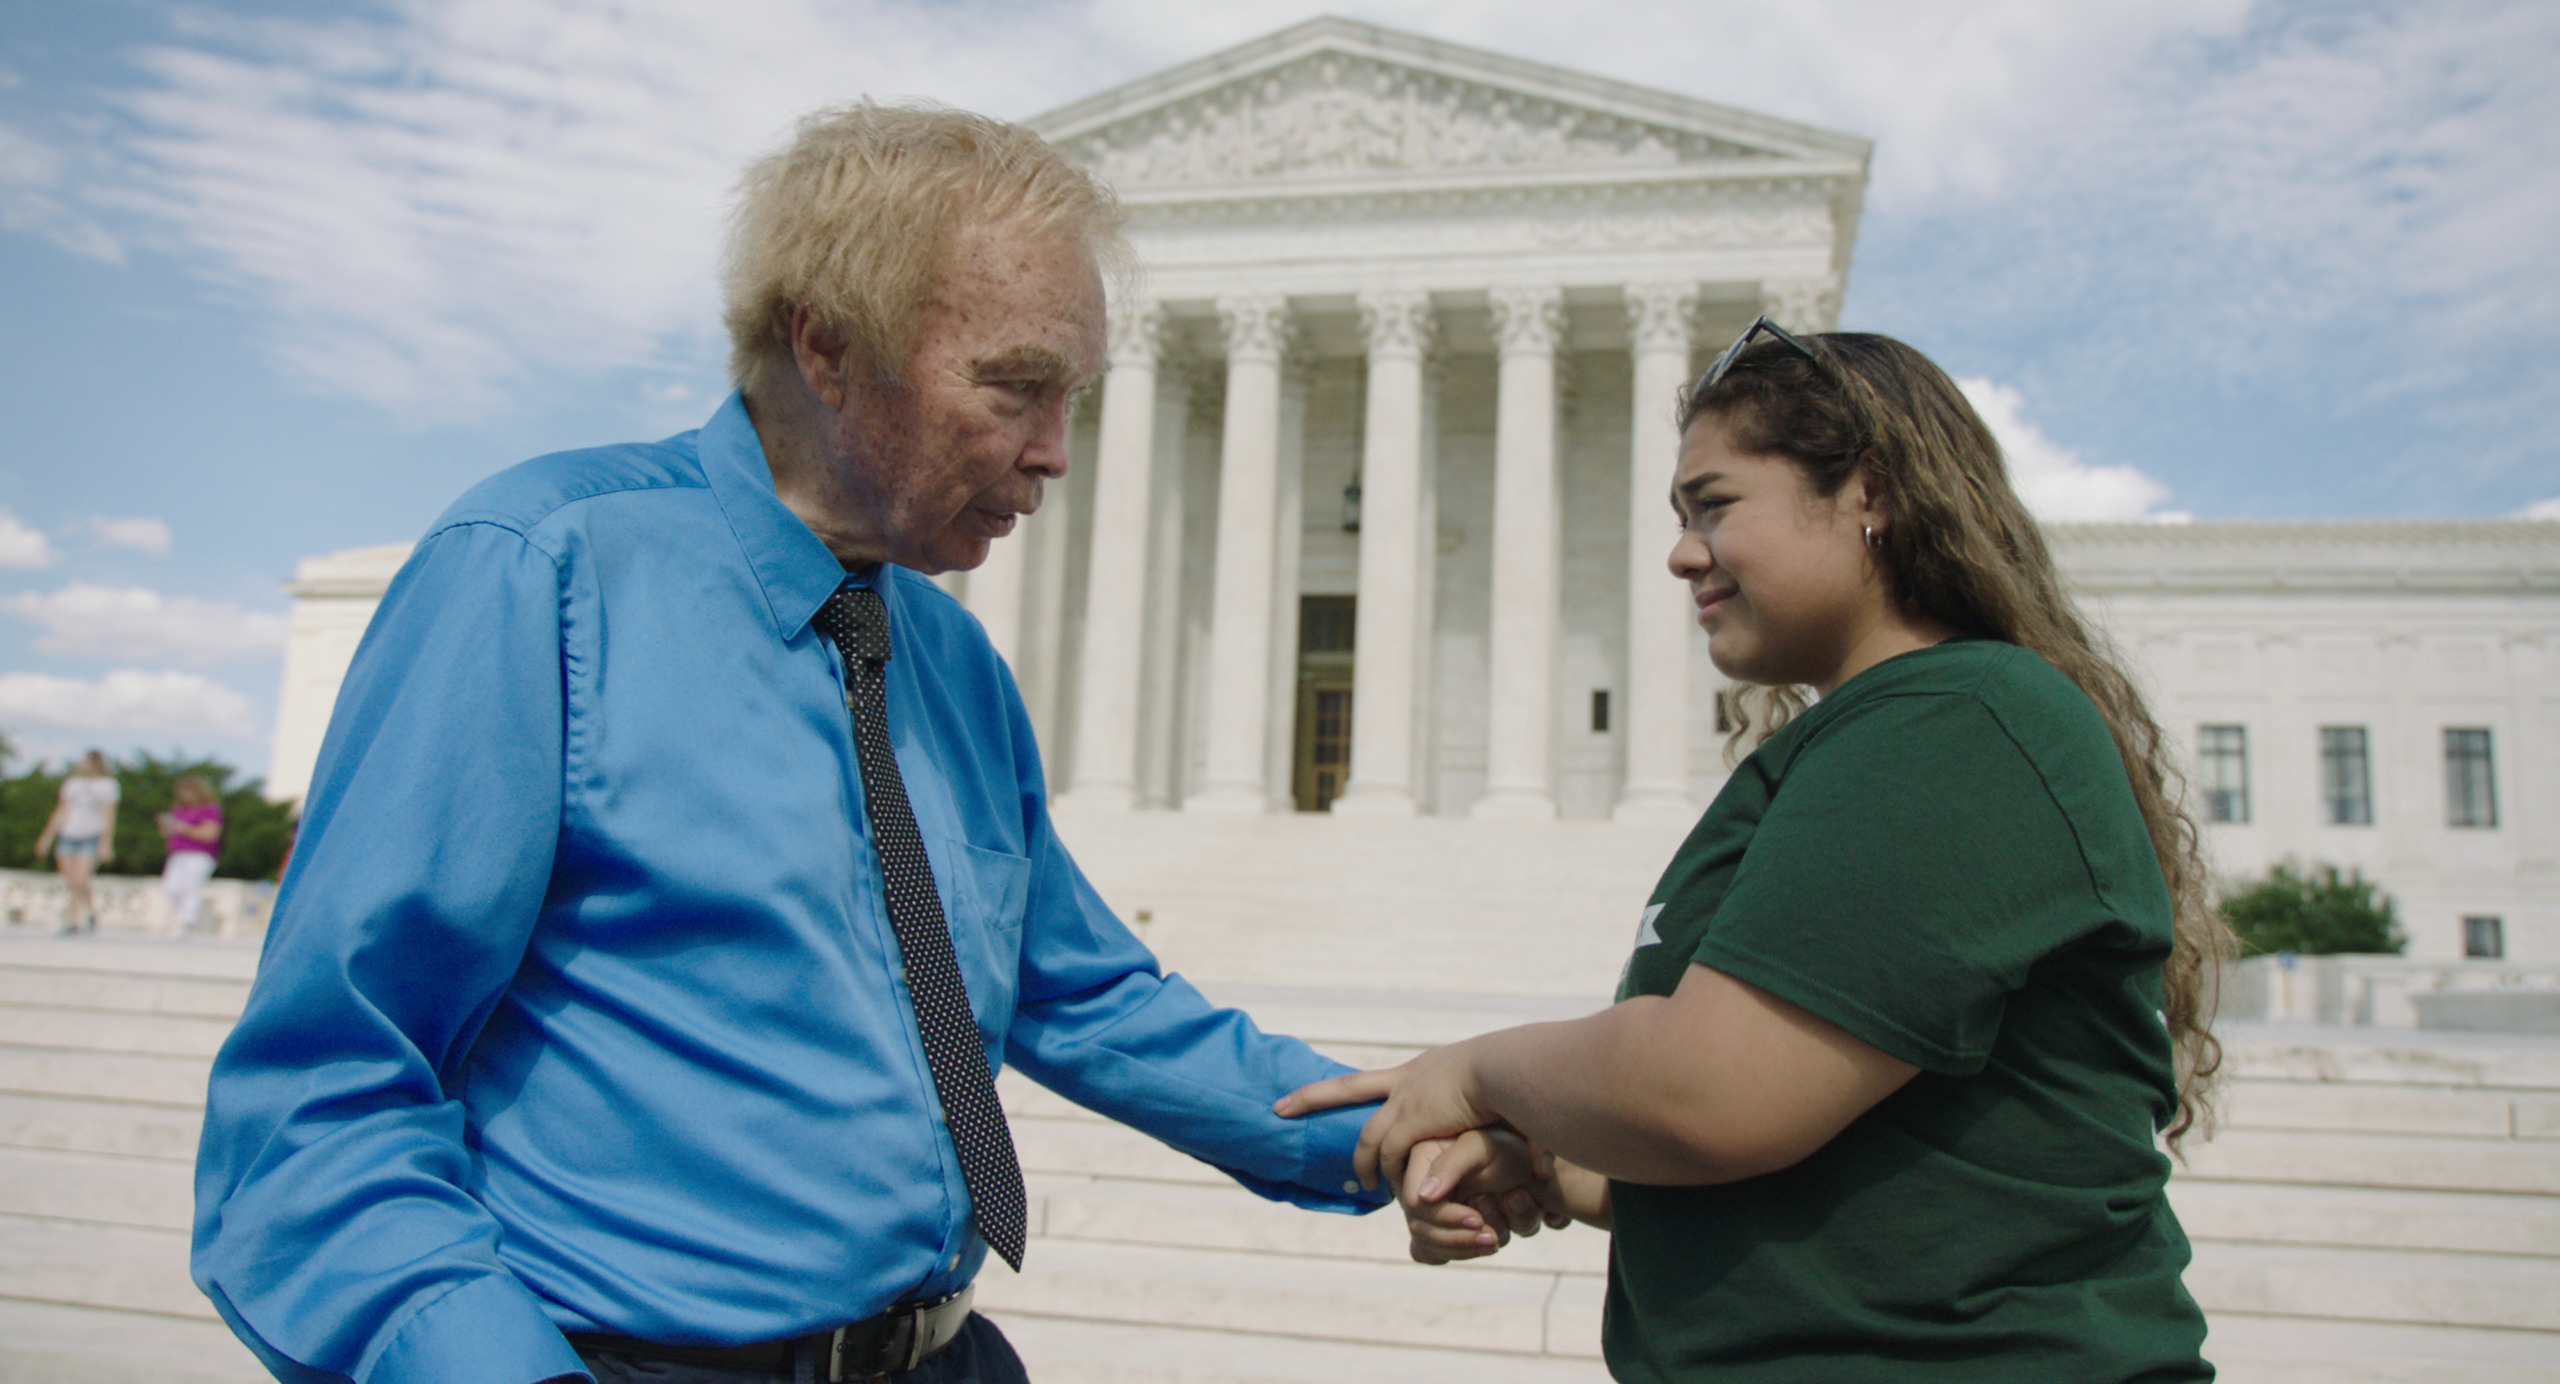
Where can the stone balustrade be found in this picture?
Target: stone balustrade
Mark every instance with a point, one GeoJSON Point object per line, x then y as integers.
{"type": "Point", "coordinates": [2394, 992]}
{"type": "Point", "coordinates": [130, 904]}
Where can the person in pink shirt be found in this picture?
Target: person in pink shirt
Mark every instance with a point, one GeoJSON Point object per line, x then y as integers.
{"type": "Point", "coordinates": [194, 832]}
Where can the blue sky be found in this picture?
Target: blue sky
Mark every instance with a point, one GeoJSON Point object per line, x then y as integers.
{"type": "Point", "coordinates": [279, 278]}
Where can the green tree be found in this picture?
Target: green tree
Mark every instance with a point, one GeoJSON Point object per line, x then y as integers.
{"type": "Point", "coordinates": [25, 802]}
{"type": "Point", "coordinates": [255, 832]}
{"type": "Point", "coordinates": [2314, 911]}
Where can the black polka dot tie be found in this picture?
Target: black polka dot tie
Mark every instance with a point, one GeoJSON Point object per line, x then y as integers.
{"type": "Point", "coordinates": [858, 621]}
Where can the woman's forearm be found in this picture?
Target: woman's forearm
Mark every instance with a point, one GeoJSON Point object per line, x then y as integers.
{"type": "Point", "coordinates": [1642, 1124]}
{"type": "Point", "coordinates": [1716, 1082]}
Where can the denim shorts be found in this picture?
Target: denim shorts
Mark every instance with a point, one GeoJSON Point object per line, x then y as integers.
{"type": "Point", "coordinates": [74, 845]}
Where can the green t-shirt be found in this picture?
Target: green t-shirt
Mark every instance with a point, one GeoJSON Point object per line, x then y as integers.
{"type": "Point", "coordinates": [1945, 859]}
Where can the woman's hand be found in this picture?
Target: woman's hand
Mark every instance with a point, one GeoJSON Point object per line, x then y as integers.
{"type": "Point", "coordinates": [1465, 1198]}
{"type": "Point", "coordinates": [1431, 1097]}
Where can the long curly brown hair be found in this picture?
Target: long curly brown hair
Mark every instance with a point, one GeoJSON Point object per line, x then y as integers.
{"type": "Point", "coordinates": [1961, 551]}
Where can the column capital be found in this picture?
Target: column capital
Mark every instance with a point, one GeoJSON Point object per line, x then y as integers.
{"type": "Point", "coordinates": [1528, 319]}
{"type": "Point", "coordinates": [1256, 327]}
{"type": "Point", "coordinates": [1662, 316]}
{"type": "Point", "coordinates": [1398, 322]}
{"type": "Point", "coordinates": [1136, 332]}
{"type": "Point", "coordinates": [1802, 305]}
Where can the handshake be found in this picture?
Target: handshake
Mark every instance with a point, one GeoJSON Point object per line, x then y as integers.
{"type": "Point", "coordinates": [1467, 1179]}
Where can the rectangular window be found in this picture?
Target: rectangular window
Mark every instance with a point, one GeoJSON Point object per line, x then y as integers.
{"type": "Point", "coordinates": [2470, 779]}
{"type": "Point", "coordinates": [2222, 772]}
{"type": "Point", "coordinates": [2484, 938]}
{"type": "Point", "coordinates": [1599, 710]}
{"type": "Point", "coordinates": [2346, 776]}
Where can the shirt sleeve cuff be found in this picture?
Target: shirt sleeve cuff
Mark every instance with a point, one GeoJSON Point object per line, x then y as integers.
{"type": "Point", "coordinates": [1325, 1181]}
{"type": "Point", "coordinates": [488, 1331]}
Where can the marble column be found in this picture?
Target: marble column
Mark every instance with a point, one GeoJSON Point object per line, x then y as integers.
{"type": "Point", "coordinates": [1288, 554]}
{"type": "Point", "coordinates": [1802, 305]}
{"type": "Point", "coordinates": [1528, 322]}
{"type": "Point", "coordinates": [1239, 692]}
{"type": "Point", "coordinates": [1162, 715]}
{"type": "Point", "coordinates": [1658, 607]}
{"type": "Point", "coordinates": [1106, 746]}
{"type": "Point", "coordinates": [995, 595]}
{"type": "Point", "coordinates": [1386, 656]}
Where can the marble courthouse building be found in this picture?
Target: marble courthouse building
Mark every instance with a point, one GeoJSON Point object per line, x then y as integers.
{"type": "Point", "coordinates": [1371, 519]}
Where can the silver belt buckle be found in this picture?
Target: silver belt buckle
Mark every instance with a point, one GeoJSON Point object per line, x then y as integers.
{"type": "Point", "coordinates": [902, 1349]}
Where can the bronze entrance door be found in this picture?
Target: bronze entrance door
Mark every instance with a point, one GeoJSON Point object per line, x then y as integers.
{"type": "Point", "coordinates": [1321, 761]}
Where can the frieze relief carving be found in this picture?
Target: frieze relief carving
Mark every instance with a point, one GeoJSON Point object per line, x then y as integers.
{"type": "Point", "coordinates": [1330, 115]}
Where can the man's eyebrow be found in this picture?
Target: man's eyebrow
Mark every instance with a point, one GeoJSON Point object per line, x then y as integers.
{"type": "Point", "coordinates": [1028, 362]}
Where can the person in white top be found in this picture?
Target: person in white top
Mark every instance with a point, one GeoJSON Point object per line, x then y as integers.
{"type": "Point", "coordinates": [82, 836]}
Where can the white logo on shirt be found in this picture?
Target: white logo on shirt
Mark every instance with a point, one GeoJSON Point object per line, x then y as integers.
{"type": "Point", "coordinates": [1646, 936]}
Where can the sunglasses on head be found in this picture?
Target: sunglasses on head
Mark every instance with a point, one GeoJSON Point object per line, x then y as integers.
{"type": "Point", "coordinates": [1724, 363]}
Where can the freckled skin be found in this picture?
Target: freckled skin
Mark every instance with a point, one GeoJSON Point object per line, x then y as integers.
{"type": "Point", "coordinates": [927, 471]}
{"type": "Point", "coordinates": [1785, 586]}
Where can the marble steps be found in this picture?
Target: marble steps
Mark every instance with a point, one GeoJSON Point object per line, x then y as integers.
{"type": "Point", "coordinates": [2509, 1291]}
{"type": "Point", "coordinates": [120, 991]}
{"type": "Point", "coordinates": [1065, 1350]}
{"type": "Point", "coordinates": [2368, 1218]}
{"type": "Point", "coordinates": [121, 1268]}
{"type": "Point", "coordinates": [2406, 1162]}
{"type": "Point", "coordinates": [2250, 1349]}
{"type": "Point", "coordinates": [114, 1128]}
{"type": "Point", "coordinates": [1480, 1308]}
{"type": "Point", "coordinates": [59, 1343]}
{"type": "Point", "coordinates": [1223, 1216]}
{"type": "Point", "coordinates": [2365, 1190]}
{"type": "Point", "coordinates": [107, 1078]}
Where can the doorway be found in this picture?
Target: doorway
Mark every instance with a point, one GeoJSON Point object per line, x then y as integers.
{"type": "Point", "coordinates": [1321, 760]}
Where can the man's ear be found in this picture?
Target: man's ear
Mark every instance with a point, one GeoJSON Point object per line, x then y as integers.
{"type": "Point", "coordinates": [821, 356]}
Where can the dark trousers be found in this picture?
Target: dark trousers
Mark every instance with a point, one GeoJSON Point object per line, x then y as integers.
{"type": "Point", "coordinates": [978, 1355]}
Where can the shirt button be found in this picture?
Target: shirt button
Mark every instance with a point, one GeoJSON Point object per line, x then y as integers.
{"type": "Point", "coordinates": [1351, 1184]}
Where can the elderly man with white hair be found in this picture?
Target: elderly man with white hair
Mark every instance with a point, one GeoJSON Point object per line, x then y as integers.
{"type": "Point", "coordinates": [678, 869]}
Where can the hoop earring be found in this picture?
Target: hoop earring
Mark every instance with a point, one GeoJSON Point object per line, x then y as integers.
{"type": "Point", "coordinates": [1874, 543]}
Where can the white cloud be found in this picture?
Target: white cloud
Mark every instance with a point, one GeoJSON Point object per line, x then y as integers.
{"type": "Point", "coordinates": [2548, 510]}
{"type": "Point", "coordinates": [142, 534]}
{"type": "Point", "coordinates": [2351, 202]}
{"type": "Point", "coordinates": [2055, 483]}
{"type": "Point", "coordinates": [125, 702]}
{"type": "Point", "coordinates": [33, 175]}
{"type": "Point", "coordinates": [21, 546]}
{"type": "Point", "coordinates": [81, 620]}
{"type": "Point", "coordinates": [435, 200]}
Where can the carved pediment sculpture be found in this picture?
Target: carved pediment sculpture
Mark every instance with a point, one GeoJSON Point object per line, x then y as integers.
{"type": "Point", "coordinates": [1331, 115]}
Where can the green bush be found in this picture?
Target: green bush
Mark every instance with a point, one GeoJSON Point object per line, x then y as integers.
{"type": "Point", "coordinates": [2315, 912]}
{"type": "Point", "coordinates": [255, 832]}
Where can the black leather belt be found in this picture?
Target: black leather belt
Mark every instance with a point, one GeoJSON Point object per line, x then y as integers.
{"type": "Point", "coordinates": [874, 1348]}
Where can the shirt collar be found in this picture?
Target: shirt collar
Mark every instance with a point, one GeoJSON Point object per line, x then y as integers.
{"type": "Point", "coordinates": [791, 563]}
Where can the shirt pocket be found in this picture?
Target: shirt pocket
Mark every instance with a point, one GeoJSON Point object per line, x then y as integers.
{"type": "Point", "coordinates": [984, 895]}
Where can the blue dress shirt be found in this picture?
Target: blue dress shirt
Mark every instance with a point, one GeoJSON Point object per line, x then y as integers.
{"type": "Point", "coordinates": [581, 1008]}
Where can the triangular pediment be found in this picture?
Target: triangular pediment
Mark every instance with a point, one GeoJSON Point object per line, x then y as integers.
{"type": "Point", "coordinates": [1333, 100]}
